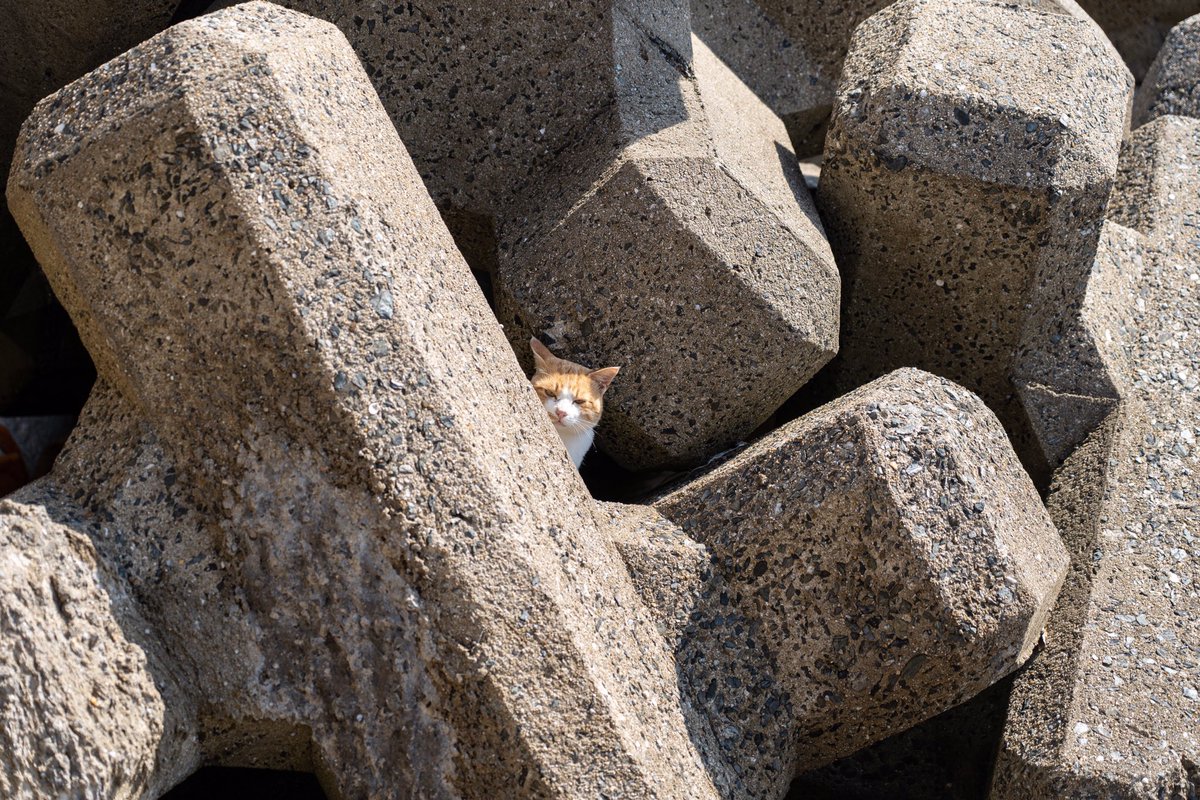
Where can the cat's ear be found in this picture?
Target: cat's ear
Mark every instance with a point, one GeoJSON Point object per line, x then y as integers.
{"type": "Point", "coordinates": [542, 357]}
{"type": "Point", "coordinates": [604, 377]}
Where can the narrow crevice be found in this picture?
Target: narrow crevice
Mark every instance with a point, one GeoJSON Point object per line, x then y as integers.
{"type": "Point", "coordinates": [190, 9]}
{"type": "Point", "coordinates": [240, 783]}
{"type": "Point", "coordinates": [1192, 770]}
{"type": "Point", "coordinates": [682, 65]}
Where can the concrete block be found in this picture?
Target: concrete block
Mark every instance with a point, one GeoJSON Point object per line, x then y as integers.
{"type": "Point", "coordinates": [360, 527]}
{"type": "Point", "coordinates": [1172, 84]}
{"type": "Point", "coordinates": [869, 565]}
{"type": "Point", "coordinates": [971, 155]}
{"type": "Point", "coordinates": [692, 255]}
{"type": "Point", "coordinates": [1111, 709]}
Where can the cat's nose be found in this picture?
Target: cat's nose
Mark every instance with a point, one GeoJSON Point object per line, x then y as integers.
{"type": "Point", "coordinates": [561, 414]}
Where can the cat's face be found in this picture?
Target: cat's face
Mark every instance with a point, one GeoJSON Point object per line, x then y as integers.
{"type": "Point", "coordinates": [572, 394]}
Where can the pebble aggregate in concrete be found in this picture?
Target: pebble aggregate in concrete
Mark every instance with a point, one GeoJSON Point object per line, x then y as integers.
{"type": "Point", "coordinates": [1172, 86]}
{"type": "Point", "coordinates": [373, 328]}
{"type": "Point", "coordinates": [692, 256]}
{"type": "Point", "coordinates": [365, 548]}
{"type": "Point", "coordinates": [970, 159]}
{"type": "Point", "coordinates": [875, 562]}
{"type": "Point", "coordinates": [638, 205]}
{"type": "Point", "coordinates": [1109, 709]}
{"type": "Point", "coordinates": [790, 52]}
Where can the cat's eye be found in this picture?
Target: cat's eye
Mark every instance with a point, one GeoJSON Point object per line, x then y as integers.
{"type": "Point", "coordinates": [550, 395]}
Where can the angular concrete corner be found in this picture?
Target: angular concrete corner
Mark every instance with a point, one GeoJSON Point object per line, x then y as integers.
{"type": "Point", "coordinates": [625, 187]}
{"type": "Point", "coordinates": [868, 566]}
{"type": "Point", "coordinates": [938, 118]}
{"type": "Point", "coordinates": [790, 52]}
{"type": "Point", "coordinates": [1112, 708]}
{"type": "Point", "coordinates": [1172, 85]}
{"type": "Point", "coordinates": [1070, 370]}
{"type": "Point", "coordinates": [44, 45]}
{"type": "Point", "coordinates": [691, 255]}
{"type": "Point", "coordinates": [1138, 29]}
{"type": "Point", "coordinates": [418, 595]}
{"type": "Point", "coordinates": [313, 518]}
{"type": "Point", "coordinates": [485, 98]}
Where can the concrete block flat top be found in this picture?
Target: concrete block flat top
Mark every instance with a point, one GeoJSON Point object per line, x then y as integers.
{"type": "Point", "coordinates": [487, 96]}
{"type": "Point", "coordinates": [1114, 708]}
{"type": "Point", "coordinates": [968, 164]}
{"type": "Point", "coordinates": [790, 52]}
{"type": "Point", "coordinates": [1172, 86]}
{"type": "Point", "coordinates": [44, 45]}
{"type": "Point", "coordinates": [987, 90]}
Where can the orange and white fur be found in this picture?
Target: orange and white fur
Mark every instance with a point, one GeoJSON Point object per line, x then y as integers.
{"type": "Point", "coordinates": [572, 395]}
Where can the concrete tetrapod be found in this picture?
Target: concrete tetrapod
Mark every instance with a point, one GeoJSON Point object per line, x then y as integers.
{"type": "Point", "coordinates": [1172, 85]}
{"type": "Point", "coordinates": [319, 468]}
{"type": "Point", "coordinates": [1111, 708]}
{"type": "Point", "coordinates": [313, 517]}
{"type": "Point", "coordinates": [790, 52]}
{"type": "Point", "coordinates": [695, 257]}
{"type": "Point", "coordinates": [861, 569]}
{"type": "Point", "coordinates": [638, 205]}
{"type": "Point", "coordinates": [936, 119]}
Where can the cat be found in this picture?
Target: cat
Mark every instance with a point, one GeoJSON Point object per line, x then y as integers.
{"type": "Point", "coordinates": [572, 395]}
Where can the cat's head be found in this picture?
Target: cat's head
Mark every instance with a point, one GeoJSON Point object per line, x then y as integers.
{"type": "Point", "coordinates": [572, 394]}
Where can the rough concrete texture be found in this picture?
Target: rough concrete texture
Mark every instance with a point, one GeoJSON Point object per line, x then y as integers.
{"type": "Point", "coordinates": [314, 490]}
{"type": "Point", "coordinates": [1172, 85]}
{"type": "Point", "coordinates": [43, 45]}
{"type": "Point", "coordinates": [970, 159]}
{"type": "Point", "coordinates": [486, 99]}
{"type": "Point", "coordinates": [88, 707]}
{"type": "Point", "coordinates": [319, 469]}
{"type": "Point", "coordinates": [791, 52]}
{"type": "Point", "coordinates": [1112, 709]}
{"type": "Point", "coordinates": [1138, 27]}
{"type": "Point", "coordinates": [857, 571]}
{"type": "Point", "coordinates": [694, 259]}
{"type": "Point", "coordinates": [1071, 370]}
{"type": "Point", "coordinates": [644, 201]}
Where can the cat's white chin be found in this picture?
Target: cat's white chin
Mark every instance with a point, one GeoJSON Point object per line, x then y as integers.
{"type": "Point", "coordinates": [578, 441]}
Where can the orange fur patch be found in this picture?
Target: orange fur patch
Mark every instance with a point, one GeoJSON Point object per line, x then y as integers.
{"type": "Point", "coordinates": [586, 392]}
{"type": "Point", "coordinates": [555, 375]}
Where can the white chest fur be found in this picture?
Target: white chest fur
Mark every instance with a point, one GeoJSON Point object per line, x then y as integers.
{"type": "Point", "coordinates": [578, 442]}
